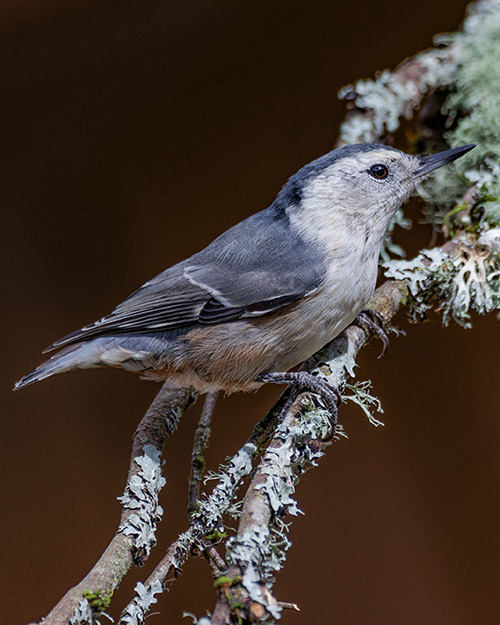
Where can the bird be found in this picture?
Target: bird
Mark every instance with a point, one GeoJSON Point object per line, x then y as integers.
{"type": "Point", "coordinates": [267, 293]}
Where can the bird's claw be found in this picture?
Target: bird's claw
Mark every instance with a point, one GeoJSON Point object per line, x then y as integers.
{"type": "Point", "coordinates": [305, 381]}
{"type": "Point", "coordinates": [371, 321]}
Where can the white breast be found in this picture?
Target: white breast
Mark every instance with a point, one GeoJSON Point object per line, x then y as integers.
{"type": "Point", "coordinates": [319, 318]}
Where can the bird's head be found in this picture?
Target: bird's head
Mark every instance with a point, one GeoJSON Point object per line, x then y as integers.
{"type": "Point", "coordinates": [358, 185]}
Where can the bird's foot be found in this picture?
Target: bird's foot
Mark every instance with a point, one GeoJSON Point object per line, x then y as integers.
{"type": "Point", "coordinates": [371, 321]}
{"type": "Point", "coordinates": [305, 381]}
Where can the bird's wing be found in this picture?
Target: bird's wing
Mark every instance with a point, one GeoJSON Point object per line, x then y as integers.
{"type": "Point", "coordinates": [252, 269]}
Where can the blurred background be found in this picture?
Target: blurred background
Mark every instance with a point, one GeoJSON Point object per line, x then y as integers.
{"type": "Point", "coordinates": [133, 133]}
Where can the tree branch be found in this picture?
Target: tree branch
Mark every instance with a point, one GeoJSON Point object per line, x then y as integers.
{"type": "Point", "coordinates": [93, 594]}
{"type": "Point", "coordinates": [206, 521]}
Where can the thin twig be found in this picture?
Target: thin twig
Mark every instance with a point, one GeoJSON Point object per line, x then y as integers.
{"type": "Point", "coordinates": [286, 605]}
{"type": "Point", "coordinates": [200, 443]}
{"type": "Point", "coordinates": [215, 561]}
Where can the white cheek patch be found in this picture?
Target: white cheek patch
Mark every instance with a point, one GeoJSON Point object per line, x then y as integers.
{"type": "Point", "coordinates": [344, 202]}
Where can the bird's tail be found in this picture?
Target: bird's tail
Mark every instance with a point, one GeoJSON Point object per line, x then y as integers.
{"type": "Point", "coordinates": [132, 353]}
{"type": "Point", "coordinates": [74, 357]}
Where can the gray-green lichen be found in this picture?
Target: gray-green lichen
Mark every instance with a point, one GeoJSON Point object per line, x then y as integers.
{"type": "Point", "coordinates": [136, 611]}
{"type": "Point", "coordinates": [220, 501]}
{"type": "Point", "coordinates": [336, 366]}
{"type": "Point", "coordinates": [459, 282]}
{"type": "Point", "coordinates": [361, 396]}
{"type": "Point", "coordinates": [83, 614]}
{"type": "Point", "coordinates": [207, 518]}
{"type": "Point", "coordinates": [473, 108]}
{"type": "Point", "coordinates": [141, 496]}
{"type": "Point", "coordinates": [469, 278]}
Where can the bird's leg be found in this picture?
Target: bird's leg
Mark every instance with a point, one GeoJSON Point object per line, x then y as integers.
{"type": "Point", "coordinates": [303, 380]}
{"type": "Point", "coordinates": [200, 443]}
{"type": "Point", "coordinates": [371, 321]}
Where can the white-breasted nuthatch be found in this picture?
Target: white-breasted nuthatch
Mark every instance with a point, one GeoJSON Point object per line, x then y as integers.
{"type": "Point", "coordinates": [268, 292]}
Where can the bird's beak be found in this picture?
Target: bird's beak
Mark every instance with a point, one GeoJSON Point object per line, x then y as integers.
{"type": "Point", "coordinates": [433, 161]}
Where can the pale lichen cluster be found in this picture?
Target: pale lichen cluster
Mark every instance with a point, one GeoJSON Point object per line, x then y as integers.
{"type": "Point", "coordinates": [83, 614]}
{"type": "Point", "coordinates": [221, 499]}
{"type": "Point", "coordinates": [460, 281]}
{"type": "Point", "coordinates": [359, 394]}
{"type": "Point", "coordinates": [141, 496]}
{"type": "Point", "coordinates": [91, 608]}
{"type": "Point", "coordinates": [135, 613]}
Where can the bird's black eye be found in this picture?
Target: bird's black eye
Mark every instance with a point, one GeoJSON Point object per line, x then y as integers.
{"type": "Point", "coordinates": [379, 171]}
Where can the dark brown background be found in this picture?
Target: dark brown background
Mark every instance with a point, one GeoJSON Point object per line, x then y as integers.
{"type": "Point", "coordinates": [132, 134]}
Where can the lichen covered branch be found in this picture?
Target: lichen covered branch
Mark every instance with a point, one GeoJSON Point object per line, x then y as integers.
{"type": "Point", "coordinates": [83, 603]}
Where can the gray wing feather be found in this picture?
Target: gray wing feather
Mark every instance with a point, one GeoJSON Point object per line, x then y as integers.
{"type": "Point", "coordinates": [259, 260]}
{"type": "Point", "coordinates": [256, 267]}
